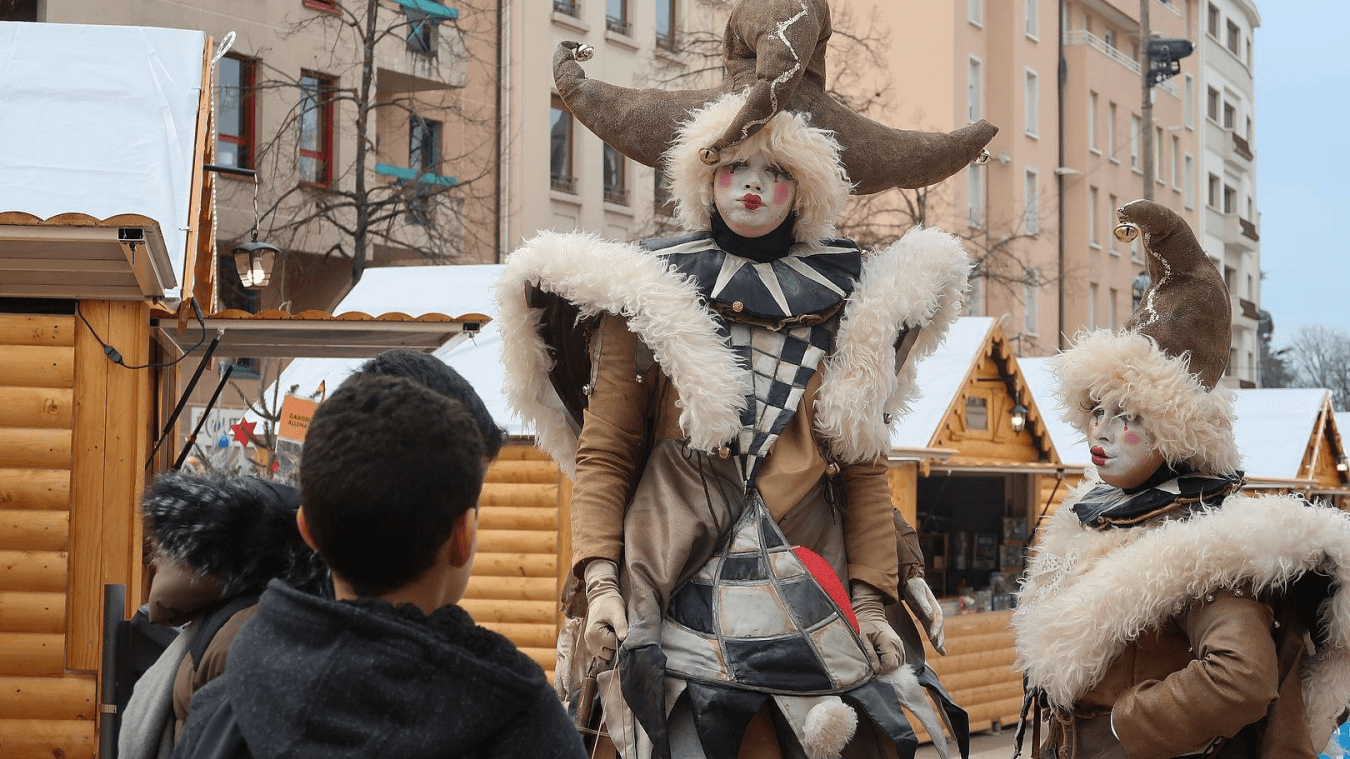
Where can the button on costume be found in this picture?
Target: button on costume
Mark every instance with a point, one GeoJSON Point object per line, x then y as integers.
{"type": "Point", "coordinates": [722, 403]}
{"type": "Point", "coordinates": [1180, 617]}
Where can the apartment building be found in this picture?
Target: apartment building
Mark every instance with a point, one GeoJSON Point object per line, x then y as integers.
{"type": "Point", "coordinates": [290, 101]}
{"type": "Point", "coordinates": [561, 177]}
{"type": "Point", "coordinates": [1230, 218]}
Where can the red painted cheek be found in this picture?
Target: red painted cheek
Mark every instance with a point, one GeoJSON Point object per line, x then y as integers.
{"type": "Point", "coordinates": [724, 179]}
{"type": "Point", "coordinates": [1133, 439]}
{"type": "Point", "coordinates": [781, 194]}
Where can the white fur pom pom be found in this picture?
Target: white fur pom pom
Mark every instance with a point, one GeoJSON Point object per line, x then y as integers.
{"type": "Point", "coordinates": [829, 727]}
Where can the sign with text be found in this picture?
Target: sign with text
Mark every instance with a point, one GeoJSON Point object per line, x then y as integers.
{"type": "Point", "coordinates": [295, 415]}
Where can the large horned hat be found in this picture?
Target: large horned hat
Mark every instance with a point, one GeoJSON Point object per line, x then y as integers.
{"type": "Point", "coordinates": [774, 53]}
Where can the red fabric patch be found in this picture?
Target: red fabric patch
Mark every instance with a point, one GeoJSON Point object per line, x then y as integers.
{"type": "Point", "coordinates": [824, 575]}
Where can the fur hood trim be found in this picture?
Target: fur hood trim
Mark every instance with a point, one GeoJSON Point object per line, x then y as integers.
{"type": "Point", "coordinates": [240, 530]}
{"type": "Point", "coordinates": [1075, 614]}
{"type": "Point", "coordinates": [811, 154]}
{"type": "Point", "coordinates": [1127, 371]}
{"type": "Point", "coordinates": [662, 307]}
{"type": "Point", "coordinates": [918, 281]}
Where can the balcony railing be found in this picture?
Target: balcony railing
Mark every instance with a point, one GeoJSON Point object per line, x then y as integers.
{"type": "Point", "coordinates": [1242, 147]}
{"type": "Point", "coordinates": [616, 195]}
{"type": "Point", "coordinates": [1084, 37]}
{"type": "Point", "coordinates": [618, 26]}
{"type": "Point", "coordinates": [1248, 230]}
{"type": "Point", "coordinates": [1249, 309]}
{"type": "Point", "coordinates": [563, 184]}
{"type": "Point", "coordinates": [566, 7]}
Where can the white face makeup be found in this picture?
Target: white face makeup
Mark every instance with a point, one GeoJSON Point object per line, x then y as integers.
{"type": "Point", "coordinates": [752, 195]}
{"type": "Point", "coordinates": [1122, 449]}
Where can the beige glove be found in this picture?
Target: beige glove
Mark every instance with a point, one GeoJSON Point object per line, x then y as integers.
{"type": "Point", "coordinates": [607, 615]}
{"type": "Point", "coordinates": [869, 606]}
{"type": "Point", "coordinates": [919, 597]}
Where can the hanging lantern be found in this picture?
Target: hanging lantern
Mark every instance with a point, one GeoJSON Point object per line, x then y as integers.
{"type": "Point", "coordinates": [254, 260]}
{"type": "Point", "coordinates": [1019, 418]}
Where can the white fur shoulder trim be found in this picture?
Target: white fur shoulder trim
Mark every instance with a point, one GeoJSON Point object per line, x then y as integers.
{"type": "Point", "coordinates": [916, 282]}
{"type": "Point", "coordinates": [662, 308]}
{"type": "Point", "coordinates": [1088, 593]}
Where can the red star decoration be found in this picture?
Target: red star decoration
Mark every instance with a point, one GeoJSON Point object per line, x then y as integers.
{"type": "Point", "coordinates": [243, 431]}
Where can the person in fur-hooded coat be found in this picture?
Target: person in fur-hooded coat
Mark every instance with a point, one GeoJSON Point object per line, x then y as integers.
{"type": "Point", "coordinates": [736, 391]}
{"type": "Point", "coordinates": [1163, 612]}
{"type": "Point", "coordinates": [218, 540]}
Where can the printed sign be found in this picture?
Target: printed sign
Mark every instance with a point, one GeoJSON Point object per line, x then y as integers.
{"type": "Point", "coordinates": [295, 415]}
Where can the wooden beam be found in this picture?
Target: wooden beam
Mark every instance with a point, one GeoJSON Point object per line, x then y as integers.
{"type": "Point", "coordinates": [32, 655]}
{"type": "Point", "coordinates": [33, 571]}
{"type": "Point", "coordinates": [37, 366]}
{"type": "Point", "coordinates": [517, 518]}
{"type": "Point", "coordinates": [84, 603]}
{"type": "Point", "coordinates": [32, 329]}
{"type": "Point", "coordinates": [496, 610]}
{"type": "Point", "coordinates": [37, 407]}
{"type": "Point", "coordinates": [48, 698]}
{"type": "Point", "coordinates": [518, 541]}
{"type": "Point", "coordinates": [33, 530]}
{"type": "Point", "coordinates": [507, 588]}
{"type": "Point", "coordinates": [125, 446]}
{"type": "Point", "coordinates": [515, 565]}
{"type": "Point", "coordinates": [35, 489]}
{"type": "Point", "coordinates": [36, 449]}
{"type": "Point", "coordinates": [44, 739]}
{"type": "Point", "coordinates": [32, 612]}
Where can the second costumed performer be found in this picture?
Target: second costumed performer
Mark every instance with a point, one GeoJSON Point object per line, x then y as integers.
{"type": "Point", "coordinates": [721, 400]}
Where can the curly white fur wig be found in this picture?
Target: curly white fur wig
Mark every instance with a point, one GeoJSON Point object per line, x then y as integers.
{"type": "Point", "coordinates": [788, 140]}
{"type": "Point", "coordinates": [1127, 371]}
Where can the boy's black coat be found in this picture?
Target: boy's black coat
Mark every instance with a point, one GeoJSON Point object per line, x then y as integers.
{"type": "Point", "coordinates": [311, 677]}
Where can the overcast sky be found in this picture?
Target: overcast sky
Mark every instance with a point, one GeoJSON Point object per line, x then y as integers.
{"type": "Point", "coordinates": [1303, 162]}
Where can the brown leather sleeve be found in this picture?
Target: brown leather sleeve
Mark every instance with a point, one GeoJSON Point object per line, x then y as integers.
{"type": "Point", "coordinates": [869, 528]}
{"type": "Point", "coordinates": [607, 451]}
{"type": "Point", "coordinates": [1230, 683]}
{"type": "Point", "coordinates": [907, 548]}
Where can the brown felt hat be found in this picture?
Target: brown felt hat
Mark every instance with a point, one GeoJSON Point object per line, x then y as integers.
{"type": "Point", "coordinates": [1185, 308]}
{"type": "Point", "coordinates": [775, 54]}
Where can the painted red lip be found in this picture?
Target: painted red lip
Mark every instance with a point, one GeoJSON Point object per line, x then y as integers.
{"type": "Point", "coordinates": [752, 202]}
{"type": "Point", "coordinates": [1098, 455]}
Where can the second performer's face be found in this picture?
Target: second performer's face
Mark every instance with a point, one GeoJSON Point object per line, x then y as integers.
{"type": "Point", "coordinates": [1122, 448]}
{"type": "Point", "coordinates": [752, 195]}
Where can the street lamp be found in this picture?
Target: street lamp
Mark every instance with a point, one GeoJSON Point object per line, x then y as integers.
{"type": "Point", "coordinates": [1018, 419]}
{"type": "Point", "coordinates": [254, 260]}
{"type": "Point", "coordinates": [1342, 464]}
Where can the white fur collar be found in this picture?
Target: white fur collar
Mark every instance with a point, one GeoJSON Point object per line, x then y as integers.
{"type": "Point", "coordinates": [917, 282]}
{"type": "Point", "coordinates": [1076, 611]}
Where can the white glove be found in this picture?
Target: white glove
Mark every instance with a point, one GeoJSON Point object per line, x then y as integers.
{"type": "Point", "coordinates": [607, 614]}
{"type": "Point", "coordinates": [869, 606]}
{"type": "Point", "coordinates": [921, 601]}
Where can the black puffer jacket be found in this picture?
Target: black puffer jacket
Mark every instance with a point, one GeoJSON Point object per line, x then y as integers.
{"type": "Point", "coordinates": [312, 677]}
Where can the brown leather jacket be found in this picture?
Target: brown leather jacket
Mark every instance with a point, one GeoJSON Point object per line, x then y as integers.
{"type": "Point", "coordinates": [626, 414]}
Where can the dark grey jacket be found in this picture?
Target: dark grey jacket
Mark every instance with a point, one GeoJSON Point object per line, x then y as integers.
{"type": "Point", "coordinates": [313, 677]}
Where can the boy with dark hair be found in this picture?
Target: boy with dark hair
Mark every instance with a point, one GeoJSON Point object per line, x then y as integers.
{"type": "Point", "coordinates": [392, 668]}
{"type": "Point", "coordinates": [434, 373]}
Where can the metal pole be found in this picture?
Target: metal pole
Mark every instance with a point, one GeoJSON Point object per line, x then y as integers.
{"type": "Point", "coordinates": [114, 611]}
{"type": "Point", "coordinates": [1146, 143]}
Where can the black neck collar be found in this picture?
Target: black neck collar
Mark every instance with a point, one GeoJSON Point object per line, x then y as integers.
{"type": "Point", "coordinates": [768, 247]}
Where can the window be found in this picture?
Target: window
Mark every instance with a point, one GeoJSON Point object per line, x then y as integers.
{"type": "Point", "coordinates": [1134, 251]}
{"type": "Point", "coordinates": [1092, 123]}
{"type": "Point", "coordinates": [974, 91]}
{"type": "Point", "coordinates": [1111, 132]}
{"type": "Point", "coordinates": [975, 300]}
{"type": "Point", "coordinates": [330, 6]}
{"type": "Point", "coordinates": [1031, 214]}
{"type": "Point", "coordinates": [1249, 129]}
{"type": "Point", "coordinates": [424, 145]}
{"type": "Point", "coordinates": [421, 32]}
{"type": "Point", "coordinates": [560, 147]}
{"type": "Point", "coordinates": [1232, 363]}
{"type": "Point", "coordinates": [1087, 22]}
{"type": "Point", "coordinates": [1032, 14]}
{"type": "Point", "coordinates": [1135, 126]}
{"type": "Point", "coordinates": [566, 7]}
{"type": "Point", "coordinates": [1112, 204]}
{"type": "Point", "coordinates": [1030, 305]}
{"type": "Point", "coordinates": [616, 17]}
{"type": "Point", "coordinates": [1110, 35]}
{"type": "Point", "coordinates": [975, 195]}
{"type": "Point", "coordinates": [1234, 40]}
{"type": "Point", "coordinates": [1229, 199]}
{"type": "Point", "coordinates": [977, 413]}
{"type": "Point", "coordinates": [975, 12]}
{"type": "Point", "coordinates": [1031, 104]}
{"type": "Point", "coordinates": [1212, 22]}
{"type": "Point", "coordinates": [1093, 239]}
{"type": "Point", "coordinates": [1213, 199]}
{"type": "Point", "coordinates": [1157, 155]}
{"type": "Point", "coordinates": [1111, 306]}
{"type": "Point", "coordinates": [1092, 306]}
{"type": "Point", "coordinates": [1189, 105]}
{"type": "Point", "coordinates": [1229, 115]}
{"type": "Point", "coordinates": [1188, 181]}
{"type": "Point", "coordinates": [665, 24]}
{"type": "Point", "coordinates": [316, 129]}
{"type": "Point", "coordinates": [616, 182]}
{"type": "Point", "coordinates": [1212, 104]}
{"type": "Point", "coordinates": [1176, 162]}
{"type": "Point", "coordinates": [236, 112]}
{"type": "Point", "coordinates": [661, 197]}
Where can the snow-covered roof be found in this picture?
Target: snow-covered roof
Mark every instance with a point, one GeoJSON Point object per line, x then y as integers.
{"type": "Point", "coordinates": [101, 121]}
{"type": "Point", "coordinates": [940, 378]}
{"type": "Point", "coordinates": [455, 290]}
{"type": "Point", "coordinates": [1273, 428]}
{"type": "Point", "coordinates": [1069, 442]}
